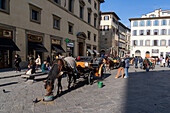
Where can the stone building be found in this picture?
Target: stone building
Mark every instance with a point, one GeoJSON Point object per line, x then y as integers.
{"type": "Point", "coordinates": [151, 34]}
{"type": "Point", "coordinates": [114, 35]}
{"type": "Point", "coordinates": [46, 27]}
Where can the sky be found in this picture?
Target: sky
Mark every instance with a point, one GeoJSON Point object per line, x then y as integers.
{"type": "Point", "coordinates": [126, 9]}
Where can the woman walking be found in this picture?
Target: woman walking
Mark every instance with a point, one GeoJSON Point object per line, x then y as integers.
{"type": "Point", "coordinates": [121, 67]}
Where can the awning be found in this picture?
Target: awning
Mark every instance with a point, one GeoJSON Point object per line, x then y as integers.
{"type": "Point", "coordinates": [90, 51]}
{"type": "Point", "coordinates": [38, 47]}
{"type": "Point", "coordinates": [58, 48]}
{"type": "Point", "coordinates": [96, 52]}
{"type": "Point", "coordinates": [8, 44]}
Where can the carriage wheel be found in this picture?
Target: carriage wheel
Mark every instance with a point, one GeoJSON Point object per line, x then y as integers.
{"type": "Point", "coordinates": [90, 78]}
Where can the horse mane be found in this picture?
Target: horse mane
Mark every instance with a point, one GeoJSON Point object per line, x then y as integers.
{"type": "Point", "coordinates": [53, 73]}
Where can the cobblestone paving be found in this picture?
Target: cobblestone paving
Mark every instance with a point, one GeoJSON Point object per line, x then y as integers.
{"type": "Point", "coordinates": [142, 92]}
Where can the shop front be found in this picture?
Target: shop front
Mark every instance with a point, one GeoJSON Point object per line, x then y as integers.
{"type": "Point", "coordinates": [7, 46]}
{"type": "Point", "coordinates": [70, 48]}
{"type": "Point", "coordinates": [89, 51]}
{"type": "Point", "coordinates": [35, 46]}
{"type": "Point", "coordinates": [56, 48]}
{"type": "Point", "coordinates": [96, 53]}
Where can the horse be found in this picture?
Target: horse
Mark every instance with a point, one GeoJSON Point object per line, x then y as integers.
{"type": "Point", "coordinates": [58, 69]}
{"type": "Point", "coordinates": [146, 62]}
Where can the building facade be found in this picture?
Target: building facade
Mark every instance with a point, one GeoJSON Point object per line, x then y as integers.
{"type": "Point", "coordinates": [109, 33]}
{"type": "Point", "coordinates": [150, 34]}
{"type": "Point", "coordinates": [113, 35]}
{"type": "Point", "coordinates": [46, 27]}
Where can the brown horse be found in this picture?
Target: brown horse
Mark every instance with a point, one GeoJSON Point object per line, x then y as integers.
{"type": "Point", "coordinates": [109, 63]}
{"type": "Point", "coordinates": [56, 72]}
{"type": "Point", "coordinates": [146, 62]}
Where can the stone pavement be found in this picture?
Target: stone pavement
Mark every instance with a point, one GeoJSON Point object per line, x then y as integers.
{"type": "Point", "coordinates": [142, 92]}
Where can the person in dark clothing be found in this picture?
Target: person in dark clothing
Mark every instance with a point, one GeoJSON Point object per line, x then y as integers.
{"type": "Point", "coordinates": [168, 62]}
{"type": "Point", "coordinates": [141, 62]}
{"type": "Point", "coordinates": [48, 59]}
{"type": "Point", "coordinates": [136, 62]}
{"type": "Point", "coordinates": [121, 67]}
{"type": "Point", "coordinates": [17, 62]}
{"type": "Point", "coordinates": [158, 61]}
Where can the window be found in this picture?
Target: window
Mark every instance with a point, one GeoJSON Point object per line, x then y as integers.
{"type": "Point", "coordinates": [106, 28]}
{"type": "Point", "coordinates": [141, 42]}
{"type": "Point", "coordinates": [141, 32]}
{"type": "Point", "coordinates": [88, 35]}
{"type": "Point", "coordinates": [57, 1]}
{"type": "Point", "coordinates": [89, 17]}
{"type": "Point", "coordinates": [135, 42]}
{"type": "Point", "coordinates": [4, 6]}
{"type": "Point", "coordinates": [152, 15]}
{"type": "Point", "coordinates": [35, 14]}
{"type": "Point", "coordinates": [89, 1]}
{"type": "Point", "coordinates": [101, 28]}
{"type": "Point", "coordinates": [147, 43]}
{"type": "Point", "coordinates": [95, 21]}
{"type": "Point", "coordinates": [148, 32]}
{"type": "Point", "coordinates": [106, 17]}
{"type": "Point", "coordinates": [164, 22]}
{"type": "Point", "coordinates": [56, 22]}
{"type": "Point", "coordinates": [95, 5]}
{"type": "Point", "coordinates": [169, 43]}
{"type": "Point", "coordinates": [148, 23]}
{"type": "Point", "coordinates": [142, 23]}
{"type": "Point", "coordinates": [135, 23]}
{"type": "Point", "coordinates": [81, 11]}
{"type": "Point", "coordinates": [156, 32]}
{"type": "Point", "coordinates": [163, 43]}
{"type": "Point", "coordinates": [71, 5]}
{"type": "Point", "coordinates": [155, 42]}
{"type": "Point", "coordinates": [168, 31]}
{"type": "Point", "coordinates": [163, 32]}
{"type": "Point", "coordinates": [94, 37]}
{"type": "Point", "coordinates": [156, 23]}
{"type": "Point", "coordinates": [134, 32]}
{"type": "Point", "coordinates": [70, 28]}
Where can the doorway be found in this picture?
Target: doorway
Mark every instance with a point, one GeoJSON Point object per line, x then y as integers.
{"type": "Point", "coordinates": [81, 49]}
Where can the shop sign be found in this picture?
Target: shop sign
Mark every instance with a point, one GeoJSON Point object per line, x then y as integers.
{"type": "Point", "coordinates": [70, 44]}
{"type": "Point", "coordinates": [34, 38]}
{"type": "Point", "coordinates": [55, 41]}
{"type": "Point", "coordinates": [5, 33]}
{"type": "Point", "coordinates": [67, 40]}
{"type": "Point", "coordinates": [155, 50]}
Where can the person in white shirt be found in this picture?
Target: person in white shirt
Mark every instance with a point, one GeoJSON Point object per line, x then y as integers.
{"type": "Point", "coordinates": [163, 61]}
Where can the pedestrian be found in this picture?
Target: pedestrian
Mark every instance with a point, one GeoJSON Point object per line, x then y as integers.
{"type": "Point", "coordinates": [38, 62]}
{"type": "Point", "coordinates": [43, 66]}
{"type": "Point", "coordinates": [163, 61]}
{"type": "Point", "coordinates": [168, 62]}
{"type": "Point", "coordinates": [31, 68]}
{"type": "Point", "coordinates": [48, 59]}
{"type": "Point", "coordinates": [126, 67]}
{"type": "Point", "coordinates": [141, 62]}
{"type": "Point", "coordinates": [121, 67]}
{"type": "Point", "coordinates": [136, 62]}
{"type": "Point", "coordinates": [158, 61]}
{"type": "Point", "coordinates": [17, 61]}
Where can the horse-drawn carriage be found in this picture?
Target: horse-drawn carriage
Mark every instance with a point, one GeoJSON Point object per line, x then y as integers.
{"type": "Point", "coordinates": [88, 67]}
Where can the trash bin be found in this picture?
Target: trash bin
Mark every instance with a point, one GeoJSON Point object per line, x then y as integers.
{"type": "Point", "coordinates": [100, 84]}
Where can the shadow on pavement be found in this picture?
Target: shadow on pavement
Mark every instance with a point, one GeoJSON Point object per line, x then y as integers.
{"type": "Point", "coordinates": [148, 92]}
{"type": "Point", "coordinates": [7, 84]}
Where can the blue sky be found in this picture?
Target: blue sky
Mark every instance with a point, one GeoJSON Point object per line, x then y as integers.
{"type": "Point", "coordinates": [126, 9]}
